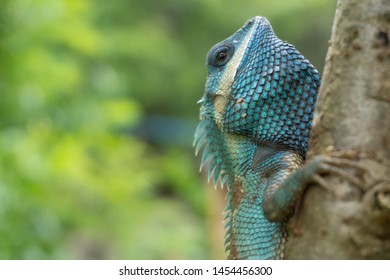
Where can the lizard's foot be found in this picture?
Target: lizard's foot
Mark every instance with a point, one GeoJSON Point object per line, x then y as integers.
{"type": "Point", "coordinates": [341, 163]}
{"type": "Point", "coordinates": [281, 196]}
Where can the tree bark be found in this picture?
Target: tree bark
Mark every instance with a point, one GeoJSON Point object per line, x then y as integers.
{"type": "Point", "coordinates": [353, 114]}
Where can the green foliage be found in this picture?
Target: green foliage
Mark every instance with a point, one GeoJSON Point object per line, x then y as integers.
{"type": "Point", "coordinates": [75, 78]}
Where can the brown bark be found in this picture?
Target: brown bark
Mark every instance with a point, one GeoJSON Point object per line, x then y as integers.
{"type": "Point", "coordinates": [353, 113]}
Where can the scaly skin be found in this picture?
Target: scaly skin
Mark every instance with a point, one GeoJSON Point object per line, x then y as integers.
{"type": "Point", "coordinates": [256, 118]}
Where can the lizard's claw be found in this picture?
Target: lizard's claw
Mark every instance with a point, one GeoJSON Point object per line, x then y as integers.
{"type": "Point", "coordinates": [342, 164]}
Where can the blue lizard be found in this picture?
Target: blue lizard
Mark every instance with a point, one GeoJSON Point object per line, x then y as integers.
{"type": "Point", "coordinates": [256, 115]}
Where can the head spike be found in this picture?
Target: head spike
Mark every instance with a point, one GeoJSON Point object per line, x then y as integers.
{"type": "Point", "coordinates": [205, 157]}
{"type": "Point", "coordinates": [217, 173]}
{"type": "Point", "coordinates": [224, 179]}
{"type": "Point", "coordinates": [212, 166]}
{"type": "Point", "coordinates": [199, 142]}
{"type": "Point", "coordinates": [200, 131]}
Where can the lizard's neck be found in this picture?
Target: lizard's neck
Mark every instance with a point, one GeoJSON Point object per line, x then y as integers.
{"type": "Point", "coordinates": [237, 161]}
{"type": "Point", "coordinates": [249, 234]}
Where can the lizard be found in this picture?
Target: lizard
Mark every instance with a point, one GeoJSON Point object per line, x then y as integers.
{"type": "Point", "coordinates": [255, 120]}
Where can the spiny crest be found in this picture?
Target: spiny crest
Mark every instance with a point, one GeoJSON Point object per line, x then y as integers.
{"type": "Point", "coordinates": [215, 155]}
{"type": "Point", "coordinates": [208, 136]}
{"type": "Point", "coordinates": [227, 219]}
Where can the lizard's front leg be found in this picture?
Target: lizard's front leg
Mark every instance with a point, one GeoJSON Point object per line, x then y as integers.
{"type": "Point", "coordinates": [286, 186]}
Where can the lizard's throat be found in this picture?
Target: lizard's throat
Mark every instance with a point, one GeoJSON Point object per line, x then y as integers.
{"type": "Point", "coordinates": [215, 152]}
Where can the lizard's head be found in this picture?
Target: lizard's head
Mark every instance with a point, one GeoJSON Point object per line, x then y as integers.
{"type": "Point", "coordinates": [257, 87]}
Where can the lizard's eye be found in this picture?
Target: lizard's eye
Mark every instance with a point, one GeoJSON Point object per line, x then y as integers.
{"type": "Point", "coordinates": [220, 55]}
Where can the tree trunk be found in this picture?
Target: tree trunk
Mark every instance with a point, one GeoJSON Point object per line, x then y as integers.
{"type": "Point", "coordinates": [353, 113]}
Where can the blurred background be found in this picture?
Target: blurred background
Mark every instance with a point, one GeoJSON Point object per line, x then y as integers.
{"type": "Point", "coordinates": [97, 115]}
